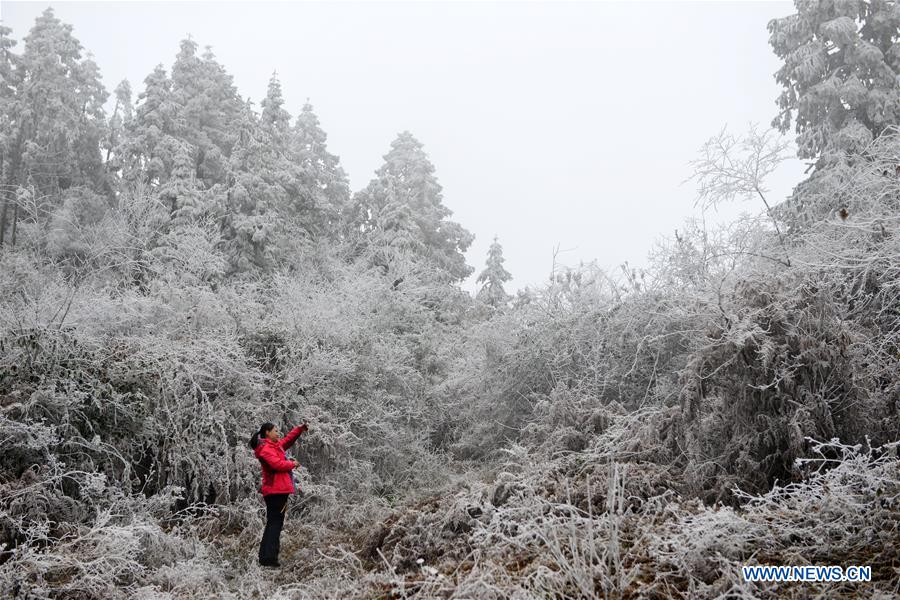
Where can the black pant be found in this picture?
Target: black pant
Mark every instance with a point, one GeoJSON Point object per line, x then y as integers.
{"type": "Point", "coordinates": [271, 540]}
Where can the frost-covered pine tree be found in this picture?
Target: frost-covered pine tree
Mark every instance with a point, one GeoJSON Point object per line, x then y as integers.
{"type": "Point", "coordinates": [407, 176]}
{"type": "Point", "coordinates": [8, 84]}
{"type": "Point", "coordinates": [180, 194]}
{"type": "Point", "coordinates": [208, 110]}
{"type": "Point", "coordinates": [325, 190]}
{"type": "Point", "coordinates": [121, 117]}
{"type": "Point", "coordinates": [251, 197]}
{"type": "Point", "coordinates": [493, 277]}
{"type": "Point", "coordinates": [274, 118]}
{"type": "Point", "coordinates": [146, 152]}
{"type": "Point", "coordinates": [58, 114]}
{"type": "Point", "coordinates": [273, 162]}
{"type": "Point", "coordinates": [841, 91]}
{"type": "Point", "coordinates": [841, 64]}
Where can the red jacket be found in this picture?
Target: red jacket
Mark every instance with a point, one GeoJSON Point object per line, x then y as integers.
{"type": "Point", "coordinates": [276, 468]}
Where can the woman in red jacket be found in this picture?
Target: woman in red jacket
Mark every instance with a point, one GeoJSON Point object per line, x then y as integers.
{"type": "Point", "coordinates": [277, 484]}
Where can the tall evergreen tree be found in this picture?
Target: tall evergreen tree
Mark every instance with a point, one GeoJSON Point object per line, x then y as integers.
{"type": "Point", "coordinates": [91, 96]}
{"type": "Point", "coordinates": [840, 73]}
{"type": "Point", "coordinates": [179, 194]}
{"type": "Point", "coordinates": [148, 146]}
{"type": "Point", "coordinates": [8, 85]}
{"type": "Point", "coordinates": [58, 114]}
{"type": "Point", "coordinates": [493, 277]}
{"type": "Point", "coordinates": [396, 234]}
{"type": "Point", "coordinates": [274, 118]}
{"type": "Point", "coordinates": [121, 117]}
{"type": "Point", "coordinates": [208, 110]}
{"type": "Point", "coordinates": [251, 197]}
{"type": "Point", "coordinates": [275, 162]}
{"type": "Point", "coordinates": [407, 177]}
{"type": "Point", "coordinates": [324, 188]}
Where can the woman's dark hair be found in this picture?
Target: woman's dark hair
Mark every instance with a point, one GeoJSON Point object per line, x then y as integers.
{"type": "Point", "coordinates": [263, 430]}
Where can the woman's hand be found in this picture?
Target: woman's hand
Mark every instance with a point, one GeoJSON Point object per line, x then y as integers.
{"type": "Point", "coordinates": [296, 464]}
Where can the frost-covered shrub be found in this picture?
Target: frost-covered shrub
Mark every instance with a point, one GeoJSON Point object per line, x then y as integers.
{"type": "Point", "coordinates": [72, 533]}
{"type": "Point", "coordinates": [805, 351]}
{"type": "Point", "coordinates": [583, 344]}
{"type": "Point", "coordinates": [82, 228]}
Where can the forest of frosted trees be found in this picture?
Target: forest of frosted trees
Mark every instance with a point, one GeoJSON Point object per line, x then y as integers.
{"type": "Point", "coordinates": [188, 265]}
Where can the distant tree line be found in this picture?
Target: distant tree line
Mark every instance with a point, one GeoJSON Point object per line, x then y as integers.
{"type": "Point", "coordinates": [192, 143]}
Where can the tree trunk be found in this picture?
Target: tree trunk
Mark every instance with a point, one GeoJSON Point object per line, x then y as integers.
{"type": "Point", "coordinates": [3, 219]}
{"type": "Point", "coordinates": [12, 237]}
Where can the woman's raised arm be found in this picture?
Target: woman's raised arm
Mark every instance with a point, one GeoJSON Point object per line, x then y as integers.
{"type": "Point", "coordinates": [288, 440]}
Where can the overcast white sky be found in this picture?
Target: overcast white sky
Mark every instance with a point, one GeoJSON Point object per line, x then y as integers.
{"type": "Point", "coordinates": [549, 124]}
